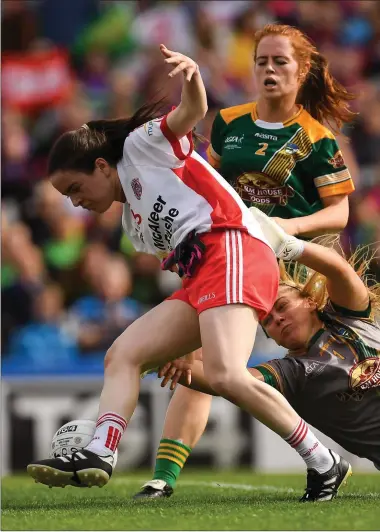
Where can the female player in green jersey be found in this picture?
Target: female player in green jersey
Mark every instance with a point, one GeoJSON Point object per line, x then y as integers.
{"type": "Point", "coordinates": [276, 152]}
{"type": "Point", "coordinates": [279, 156]}
{"type": "Point", "coordinates": [325, 315]}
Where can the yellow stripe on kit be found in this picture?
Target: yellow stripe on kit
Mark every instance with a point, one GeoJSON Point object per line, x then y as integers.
{"type": "Point", "coordinates": [346, 187]}
{"type": "Point", "coordinates": [332, 179]}
{"type": "Point", "coordinates": [169, 452]}
{"type": "Point", "coordinates": [275, 375]}
{"type": "Point", "coordinates": [314, 129]}
{"type": "Point", "coordinates": [169, 447]}
{"type": "Point", "coordinates": [168, 457]}
{"type": "Point", "coordinates": [231, 113]}
{"type": "Point", "coordinates": [215, 163]}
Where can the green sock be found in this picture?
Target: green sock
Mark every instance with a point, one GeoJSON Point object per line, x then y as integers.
{"type": "Point", "coordinates": [171, 457]}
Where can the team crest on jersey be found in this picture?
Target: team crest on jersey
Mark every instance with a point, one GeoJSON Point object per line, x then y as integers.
{"type": "Point", "coordinates": [365, 374]}
{"type": "Point", "coordinates": [291, 149]}
{"type": "Point", "coordinates": [136, 187]}
{"type": "Point", "coordinates": [262, 190]}
{"type": "Point", "coordinates": [337, 161]}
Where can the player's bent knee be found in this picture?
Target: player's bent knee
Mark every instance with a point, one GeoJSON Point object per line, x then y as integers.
{"type": "Point", "coordinates": [118, 355]}
{"type": "Point", "coordinates": [223, 383]}
{"type": "Point", "coordinates": [111, 358]}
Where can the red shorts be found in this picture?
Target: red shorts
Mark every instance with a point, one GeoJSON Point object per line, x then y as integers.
{"type": "Point", "coordinates": [236, 268]}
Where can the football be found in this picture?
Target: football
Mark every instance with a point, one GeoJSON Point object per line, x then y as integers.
{"type": "Point", "coordinates": [72, 437]}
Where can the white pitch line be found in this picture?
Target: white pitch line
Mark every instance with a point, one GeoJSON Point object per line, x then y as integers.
{"type": "Point", "coordinates": [243, 487]}
{"type": "Point", "coordinates": [218, 485]}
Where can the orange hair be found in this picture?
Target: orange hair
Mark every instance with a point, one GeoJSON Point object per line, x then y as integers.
{"type": "Point", "coordinates": [320, 94]}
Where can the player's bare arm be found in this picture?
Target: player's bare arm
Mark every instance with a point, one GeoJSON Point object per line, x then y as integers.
{"type": "Point", "coordinates": [331, 219]}
{"type": "Point", "coordinates": [193, 105]}
{"type": "Point", "coordinates": [345, 287]}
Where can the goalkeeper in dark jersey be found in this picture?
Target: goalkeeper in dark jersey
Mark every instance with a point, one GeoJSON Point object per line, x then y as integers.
{"type": "Point", "coordinates": [327, 318]}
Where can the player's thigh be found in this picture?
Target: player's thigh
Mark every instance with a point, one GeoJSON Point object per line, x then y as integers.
{"type": "Point", "coordinates": [245, 280]}
{"type": "Point", "coordinates": [228, 334]}
{"type": "Point", "coordinates": [168, 331]}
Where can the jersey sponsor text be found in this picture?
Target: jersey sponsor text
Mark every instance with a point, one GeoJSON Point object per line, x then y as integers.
{"type": "Point", "coordinates": [265, 136]}
{"type": "Point", "coordinates": [154, 223]}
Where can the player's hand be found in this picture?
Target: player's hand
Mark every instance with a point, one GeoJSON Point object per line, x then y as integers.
{"type": "Point", "coordinates": [285, 246]}
{"type": "Point", "coordinates": [174, 371]}
{"type": "Point", "coordinates": [182, 63]}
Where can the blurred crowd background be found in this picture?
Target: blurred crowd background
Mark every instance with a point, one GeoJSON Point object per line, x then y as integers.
{"type": "Point", "coordinates": [71, 282]}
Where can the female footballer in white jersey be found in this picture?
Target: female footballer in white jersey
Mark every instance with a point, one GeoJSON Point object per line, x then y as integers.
{"type": "Point", "coordinates": [179, 208]}
{"type": "Point", "coordinates": [296, 94]}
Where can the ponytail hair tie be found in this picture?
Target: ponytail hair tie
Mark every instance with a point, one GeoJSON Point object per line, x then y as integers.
{"type": "Point", "coordinates": [85, 126]}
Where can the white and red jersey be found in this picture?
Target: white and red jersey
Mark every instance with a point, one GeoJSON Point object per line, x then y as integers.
{"type": "Point", "coordinates": [171, 191]}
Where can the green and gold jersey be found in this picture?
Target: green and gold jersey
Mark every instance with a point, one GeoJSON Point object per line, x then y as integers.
{"type": "Point", "coordinates": [283, 169]}
{"type": "Point", "coordinates": [336, 386]}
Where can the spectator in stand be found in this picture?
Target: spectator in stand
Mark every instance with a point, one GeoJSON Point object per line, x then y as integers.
{"type": "Point", "coordinates": [16, 146]}
{"type": "Point", "coordinates": [239, 65]}
{"type": "Point", "coordinates": [22, 274]}
{"type": "Point", "coordinates": [367, 217]}
{"type": "Point", "coordinates": [19, 26]}
{"type": "Point", "coordinates": [366, 135]}
{"type": "Point", "coordinates": [52, 122]}
{"type": "Point", "coordinates": [44, 343]}
{"type": "Point", "coordinates": [104, 315]}
{"type": "Point", "coordinates": [65, 238]}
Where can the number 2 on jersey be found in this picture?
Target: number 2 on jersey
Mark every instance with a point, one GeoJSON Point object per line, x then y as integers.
{"type": "Point", "coordinates": [262, 150]}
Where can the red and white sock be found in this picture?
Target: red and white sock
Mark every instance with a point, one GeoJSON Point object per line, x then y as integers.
{"type": "Point", "coordinates": [311, 450]}
{"type": "Point", "coordinates": [109, 429]}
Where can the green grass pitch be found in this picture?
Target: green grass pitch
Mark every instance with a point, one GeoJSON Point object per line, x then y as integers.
{"type": "Point", "coordinates": [203, 500]}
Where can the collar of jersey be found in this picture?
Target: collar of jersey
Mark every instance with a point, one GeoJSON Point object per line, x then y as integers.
{"type": "Point", "coordinates": [310, 343]}
{"type": "Point", "coordinates": [274, 125]}
{"type": "Point", "coordinates": [315, 337]}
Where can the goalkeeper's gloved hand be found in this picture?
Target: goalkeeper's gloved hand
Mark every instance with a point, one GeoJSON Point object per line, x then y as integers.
{"type": "Point", "coordinates": [286, 247]}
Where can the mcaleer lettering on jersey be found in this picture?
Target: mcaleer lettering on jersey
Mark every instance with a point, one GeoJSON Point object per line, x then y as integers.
{"type": "Point", "coordinates": [154, 224]}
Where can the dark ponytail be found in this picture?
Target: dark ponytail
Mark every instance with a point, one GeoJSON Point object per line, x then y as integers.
{"type": "Point", "coordinates": [323, 96]}
{"type": "Point", "coordinates": [79, 149]}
